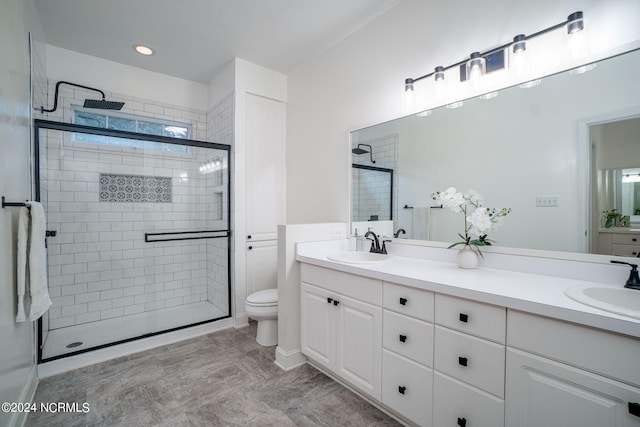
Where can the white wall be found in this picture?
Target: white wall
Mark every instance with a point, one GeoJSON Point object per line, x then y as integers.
{"type": "Point", "coordinates": [17, 358]}
{"type": "Point", "coordinates": [360, 81]}
{"type": "Point", "coordinates": [67, 65]}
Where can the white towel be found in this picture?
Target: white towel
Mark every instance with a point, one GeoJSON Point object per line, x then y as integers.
{"type": "Point", "coordinates": [40, 301]}
{"type": "Point", "coordinates": [32, 268]}
{"type": "Point", "coordinates": [23, 236]}
{"type": "Point", "coordinates": [421, 223]}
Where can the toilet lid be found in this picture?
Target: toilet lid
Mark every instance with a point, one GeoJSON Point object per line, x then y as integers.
{"type": "Point", "coordinates": [266, 297]}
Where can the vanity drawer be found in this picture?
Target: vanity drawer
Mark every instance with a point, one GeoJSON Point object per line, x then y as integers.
{"type": "Point", "coordinates": [471, 317]}
{"type": "Point", "coordinates": [407, 336]}
{"type": "Point", "coordinates": [456, 403]}
{"type": "Point", "coordinates": [407, 388]}
{"type": "Point", "coordinates": [410, 301]}
{"type": "Point", "coordinates": [470, 359]}
{"type": "Point", "coordinates": [358, 287]}
{"type": "Point", "coordinates": [625, 239]}
{"type": "Point", "coordinates": [625, 250]}
{"type": "Point", "coordinates": [605, 353]}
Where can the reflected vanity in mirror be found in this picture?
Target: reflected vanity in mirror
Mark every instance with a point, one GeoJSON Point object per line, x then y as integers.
{"type": "Point", "coordinates": [552, 152]}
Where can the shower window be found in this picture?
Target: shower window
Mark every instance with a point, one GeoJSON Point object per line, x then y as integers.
{"type": "Point", "coordinates": [142, 242]}
{"type": "Point", "coordinates": [130, 123]}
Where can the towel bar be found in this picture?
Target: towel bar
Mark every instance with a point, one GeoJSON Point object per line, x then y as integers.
{"type": "Point", "coordinates": [4, 204]}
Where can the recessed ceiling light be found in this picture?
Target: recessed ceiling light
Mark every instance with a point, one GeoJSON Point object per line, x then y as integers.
{"type": "Point", "coordinates": [143, 50]}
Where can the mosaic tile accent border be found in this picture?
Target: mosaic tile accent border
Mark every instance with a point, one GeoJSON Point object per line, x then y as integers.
{"type": "Point", "coordinates": [135, 188]}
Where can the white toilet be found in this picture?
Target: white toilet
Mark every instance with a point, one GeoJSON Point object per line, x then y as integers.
{"type": "Point", "coordinates": [262, 306]}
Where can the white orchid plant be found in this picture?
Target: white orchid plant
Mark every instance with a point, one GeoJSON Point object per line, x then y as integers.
{"type": "Point", "coordinates": [478, 220]}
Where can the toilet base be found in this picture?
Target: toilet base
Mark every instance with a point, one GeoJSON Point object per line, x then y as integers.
{"type": "Point", "coordinates": [267, 334]}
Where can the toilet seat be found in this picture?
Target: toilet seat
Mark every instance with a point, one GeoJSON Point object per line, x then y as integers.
{"type": "Point", "coordinates": [268, 297]}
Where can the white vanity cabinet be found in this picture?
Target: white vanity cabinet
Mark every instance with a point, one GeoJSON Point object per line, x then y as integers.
{"type": "Point", "coordinates": [407, 355]}
{"type": "Point", "coordinates": [341, 326]}
{"type": "Point", "coordinates": [569, 375]}
{"type": "Point", "coordinates": [469, 361]}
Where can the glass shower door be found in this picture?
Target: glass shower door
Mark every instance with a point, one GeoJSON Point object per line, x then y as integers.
{"type": "Point", "coordinates": [142, 235]}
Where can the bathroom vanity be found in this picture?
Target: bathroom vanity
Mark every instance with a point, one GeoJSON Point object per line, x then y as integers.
{"type": "Point", "coordinates": [436, 345]}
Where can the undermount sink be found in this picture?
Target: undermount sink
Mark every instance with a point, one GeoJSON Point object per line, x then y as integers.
{"type": "Point", "coordinates": [359, 257]}
{"type": "Point", "coordinates": [622, 301]}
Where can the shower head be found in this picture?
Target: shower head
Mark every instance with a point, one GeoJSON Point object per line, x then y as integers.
{"type": "Point", "coordinates": [88, 103]}
{"type": "Point", "coordinates": [102, 104]}
{"type": "Point", "coordinates": [359, 151]}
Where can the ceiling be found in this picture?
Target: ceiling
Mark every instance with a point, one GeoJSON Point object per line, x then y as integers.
{"type": "Point", "coordinates": [195, 39]}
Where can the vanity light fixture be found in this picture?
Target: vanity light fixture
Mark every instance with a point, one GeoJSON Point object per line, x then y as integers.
{"type": "Point", "coordinates": [519, 43]}
{"type": "Point", "coordinates": [494, 59]}
{"type": "Point", "coordinates": [476, 66]}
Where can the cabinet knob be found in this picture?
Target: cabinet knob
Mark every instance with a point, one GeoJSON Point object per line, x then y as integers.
{"type": "Point", "coordinates": [403, 338]}
{"type": "Point", "coordinates": [249, 236]}
{"type": "Point", "coordinates": [462, 361]}
{"type": "Point", "coordinates": [250, 247]}
{"type": "Point", "coordinates": [634, 240]}
{"type": "Point", "coordinates": [634, 409]}
{"type": "Point", "coordinates": [336, 302]}
{"type": "Point", "coordinates": [403, 301]}
{"type": "Point", "coordinates": [329, 300]}
{"type": "Point", "coordinates": [462, 422]}
{"type": "Point", "coordinates": [402, 389]}
{"type": "Point", "coordinates": [464, 317]}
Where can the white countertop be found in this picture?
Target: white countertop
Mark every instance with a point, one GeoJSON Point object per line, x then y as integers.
{"type": "Point", "coordinates": [533, 293]}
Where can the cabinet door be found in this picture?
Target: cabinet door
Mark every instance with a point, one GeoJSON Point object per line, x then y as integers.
{"type": "Point", "coordinates": [543, 393]}
{"type": "Point", "coordinates": [359, 344]}
{"type": "Point", "coordinates": [317, 325]}
{"type": "Point", "coordinates": [262, 266]}
{"type": "Point", "coordinates": [265, 136]}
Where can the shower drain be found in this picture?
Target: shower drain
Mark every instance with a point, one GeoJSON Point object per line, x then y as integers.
{"type": "Point", "coordinates": [74, 344]}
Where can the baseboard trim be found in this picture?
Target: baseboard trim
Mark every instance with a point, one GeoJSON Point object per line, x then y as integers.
{"type": "Point", "coordinates": [241, 321]}
{"type": "Point", "coordinates": [288, 360]}
{"type": "Point", "coordinates": [102, 355]}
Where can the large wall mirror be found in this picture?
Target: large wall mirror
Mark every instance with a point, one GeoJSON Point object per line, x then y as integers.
{"type": "Point", "coordinates": [569, 139]}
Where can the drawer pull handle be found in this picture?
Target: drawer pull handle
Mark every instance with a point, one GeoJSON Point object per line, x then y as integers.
{"type": "Point", "coordinates": [462, 422]}
{"type": "Point", "coordinates": [329, 300]}
{"type": "Point", "coordinates": [634, 240]}
{"type": "Point", "coordinates": [403, 301]}
{"type": "Point", "coordinates": [403, 338]}
{"type": "Point", "coordinates": [464, 317]}
{"type": "Point", "coordinates": [336, 302]}
{"type": "Point", "coordinates": [402, 389]}
{"type": "Point", "coordinates": [462, 361]}
{"type": "Point", "coordinates": [634, 409]}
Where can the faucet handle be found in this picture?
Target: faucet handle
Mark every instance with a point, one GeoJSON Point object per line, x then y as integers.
{"type": "Point", "coordinates": [384, 247]}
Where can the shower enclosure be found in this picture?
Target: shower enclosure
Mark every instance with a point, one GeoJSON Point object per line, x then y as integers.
{"type": "Point", "coordinates": [138, 235]}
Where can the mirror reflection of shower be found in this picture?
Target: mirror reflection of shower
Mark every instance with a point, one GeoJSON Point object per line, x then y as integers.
{"type": "Point", "coordinates": [358, 151]}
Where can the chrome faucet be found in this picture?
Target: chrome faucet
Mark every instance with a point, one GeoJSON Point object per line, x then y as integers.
{"type": "Point", "coordinates": [375, 243]}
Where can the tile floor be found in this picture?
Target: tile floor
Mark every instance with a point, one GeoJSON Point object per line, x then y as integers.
{"type": "Point", "coordinates": [221, 379]}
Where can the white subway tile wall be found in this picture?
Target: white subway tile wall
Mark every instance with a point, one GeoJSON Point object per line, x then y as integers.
{"type": "Point", "coordinates": [100, 267]}
{"type": "Point", "coordinates": [370, 195]}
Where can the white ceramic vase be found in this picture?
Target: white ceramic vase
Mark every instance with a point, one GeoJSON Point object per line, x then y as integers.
{"type": "Point", "coordinates": [467, 257]}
